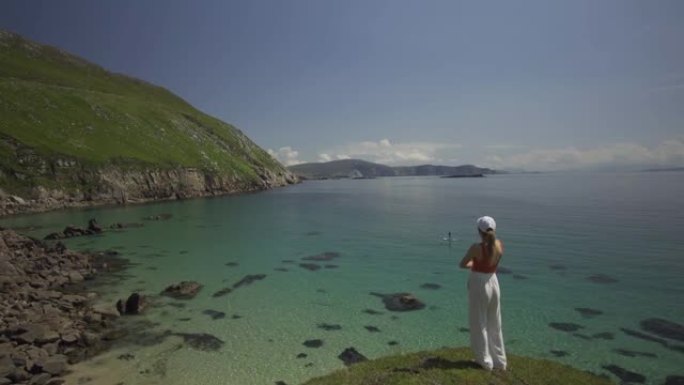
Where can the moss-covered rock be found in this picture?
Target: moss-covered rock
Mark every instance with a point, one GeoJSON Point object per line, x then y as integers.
{"type": "Point", "coordinates": [455, 366]}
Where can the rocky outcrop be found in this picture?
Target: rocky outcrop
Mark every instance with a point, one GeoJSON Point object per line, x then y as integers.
{"type": "Point", "coordinates": [113, 185]}
{"type": "Point", "coordinates": [45, 325]}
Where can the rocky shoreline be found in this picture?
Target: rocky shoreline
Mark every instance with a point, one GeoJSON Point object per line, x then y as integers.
{"type": "Point", "coordinates": [15, 205]}
{"type": "Point", "coordinates": [47, 317]}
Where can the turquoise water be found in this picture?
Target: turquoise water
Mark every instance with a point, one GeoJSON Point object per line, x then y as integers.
{"type": "Point", "coordinates": [389, 233]}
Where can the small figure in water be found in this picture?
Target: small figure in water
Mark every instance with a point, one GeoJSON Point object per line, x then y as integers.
{"type": "Point", "coordinates": [449, 236]}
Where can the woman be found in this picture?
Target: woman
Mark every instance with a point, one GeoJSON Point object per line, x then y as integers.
{"type": "Point", "coordinates": [486, 339]}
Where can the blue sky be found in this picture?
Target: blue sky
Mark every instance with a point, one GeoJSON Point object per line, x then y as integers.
{"type": "Point", "coordinates": [540, 85]}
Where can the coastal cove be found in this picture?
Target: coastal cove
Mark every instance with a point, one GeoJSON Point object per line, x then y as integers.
{"type": "Point", "coordinates": [292, 277]}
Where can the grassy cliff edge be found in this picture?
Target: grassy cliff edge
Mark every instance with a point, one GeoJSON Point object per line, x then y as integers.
{"type": "Point", "coordinates": [452, 366]}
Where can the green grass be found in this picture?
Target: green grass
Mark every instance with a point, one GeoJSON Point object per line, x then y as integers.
{"type": "Point", "coordinates": [61, 107]}
{"type": "Point", "coordinates": [452, 367]}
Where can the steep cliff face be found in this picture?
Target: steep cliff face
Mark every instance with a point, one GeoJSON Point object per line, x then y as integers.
{"type": "Point", "coordinates": [74, 134]}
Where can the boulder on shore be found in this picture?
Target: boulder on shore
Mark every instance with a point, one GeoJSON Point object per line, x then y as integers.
{"type": "Point", "coordinates": [135, 304]}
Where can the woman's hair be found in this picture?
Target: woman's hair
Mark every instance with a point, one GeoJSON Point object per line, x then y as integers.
{"type": "Point", "coordinates": [489, 239]}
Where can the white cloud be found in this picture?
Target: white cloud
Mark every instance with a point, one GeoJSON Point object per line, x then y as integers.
{"type": "Point", "coordinates": [324, 157]}
{"type": "Point", "coordinates": [386, 152]}
{"type": "Point", "coordinates": [286, 155]}
{"type": "Point", "coordinates": [618, 155]}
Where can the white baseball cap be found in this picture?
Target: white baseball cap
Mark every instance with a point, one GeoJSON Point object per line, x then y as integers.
{"type": "Point", "coordinates": [485, 223]}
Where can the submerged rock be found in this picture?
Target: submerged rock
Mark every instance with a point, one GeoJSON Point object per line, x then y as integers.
{"type": "Point", "coordinates": [566, 326]}
{"type": "Point", "coordinates": [329, 327]}
{"type": "Point", "coordinates": [663, 328]}
{"type": "Point", "coordinates": [601, 278]}
{"type": "Point", "coordinates": [559, 353]}
{"type": "Point", "coordinates": [588, 312]}
{"type": "Point", "coordinates": [316, 343]}
{"type": "Point", "coordinates": [183, 290]}
{"type": "Point", "coordinates": [214, 314]}
{"type": "Point", "coordinates": [201, 341]}
{"type": "Point", "coordinates": [310, 266]}
{"type": "Point", "coordinates": [159, 217]}
{"type": "Point", "coordinates": [674, 380]}
{"type": "Point", "coordinates": [222, 292]}
{"type": "Point", "coordinates": [431, 286]}
{"type": "Point", "coordinates": [400, 301]}
{"type": "Point", "coordinates": [644, 336]}
{"type": "Point", "coordinates": [624, 374]}
{"type": "Point", "coordinates": [633, 353]}
{"type": "Point", "coordinates": [372, 329]}
{"type": "Point", "coordinates": [325, 256]}
{"type": "Point", "coordinates": [351, 356]}
{"type": "Point", "coordinates": [72, 231]}
{"type": "Point", "coordinates": [248, 280]}
{"type": "Point", "coordinates": [372, 312]}
{"type": "Point", "coordinates": [604, 336]}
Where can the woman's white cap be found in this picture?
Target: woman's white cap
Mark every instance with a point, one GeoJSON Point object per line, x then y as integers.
{"type": "Point", "coordinates": [485, 223]}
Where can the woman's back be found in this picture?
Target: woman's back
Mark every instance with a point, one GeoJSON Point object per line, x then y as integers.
{"type": "Point", "coordinates": [486, 259]}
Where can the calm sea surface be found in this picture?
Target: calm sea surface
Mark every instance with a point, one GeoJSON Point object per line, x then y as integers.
{"type": "Point", "coordinates": [558, 229]}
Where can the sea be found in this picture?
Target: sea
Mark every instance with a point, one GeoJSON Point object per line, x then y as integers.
{"type": "Point", "coordinates": [588, 258]}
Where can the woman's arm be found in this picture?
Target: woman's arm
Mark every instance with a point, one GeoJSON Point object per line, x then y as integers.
{"type": "Point", "coordinates": [467, 261]}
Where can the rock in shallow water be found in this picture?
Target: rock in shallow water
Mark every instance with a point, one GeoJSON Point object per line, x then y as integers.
{"type": "Point", "coordinates": [566, 326]}
{"type": "Point", "coordinates": [674, 380]}
{"type": "Point", "coordinates": [624, 374]}
{"type": "Point", "coordinates": [201, 341]}
{"type": "Point", "coordinates": [351, 356]}
{"type": "Point", "coordinates": [588, 312]}
{"type": "Point", "coordinates": [183, 290]}
{"type": "Point", "coordinates": [214, 314]}
{"type": "Point", "coordinates": [316, 343]}
{"type": "Point", "coordinates": [601, 278]}
{"type": "Point", "coordinates": [329, 327]}
{"type": "Point", "coordinates": [663, 328]}
{"type": "Point", "coordinates": [325, 256]}
{"type": "Point", "coordinates": [310, 266]}
{"type": "Point", "coordinates": [400, 301]}
{"type": "Point", "coordinates": [248, 280]}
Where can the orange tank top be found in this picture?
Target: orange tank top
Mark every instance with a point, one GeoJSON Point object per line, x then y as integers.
{"type": "Point", "coordinates": [481, 265]}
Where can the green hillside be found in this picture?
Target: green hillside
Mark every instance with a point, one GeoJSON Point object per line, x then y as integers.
{"type": "Point", "coordinates": [57, 109]}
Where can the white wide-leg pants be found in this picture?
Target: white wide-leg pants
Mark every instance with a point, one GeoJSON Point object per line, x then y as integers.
{"type": "Point", "coordinates": [486, 338]}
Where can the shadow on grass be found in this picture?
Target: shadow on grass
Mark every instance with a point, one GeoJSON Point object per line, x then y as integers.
{"type": "Point", "coordinates": [443, 363]}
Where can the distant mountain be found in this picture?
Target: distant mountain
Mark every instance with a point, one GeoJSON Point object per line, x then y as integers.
{"type": "Point", "coordinates": [428, 169]}
{"type": "Point", "coordinates": [345, 168]}
{"type": "Point", "coordinates": [664, 169]}
{"type": "Point", "coordinates": [356, 168]}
